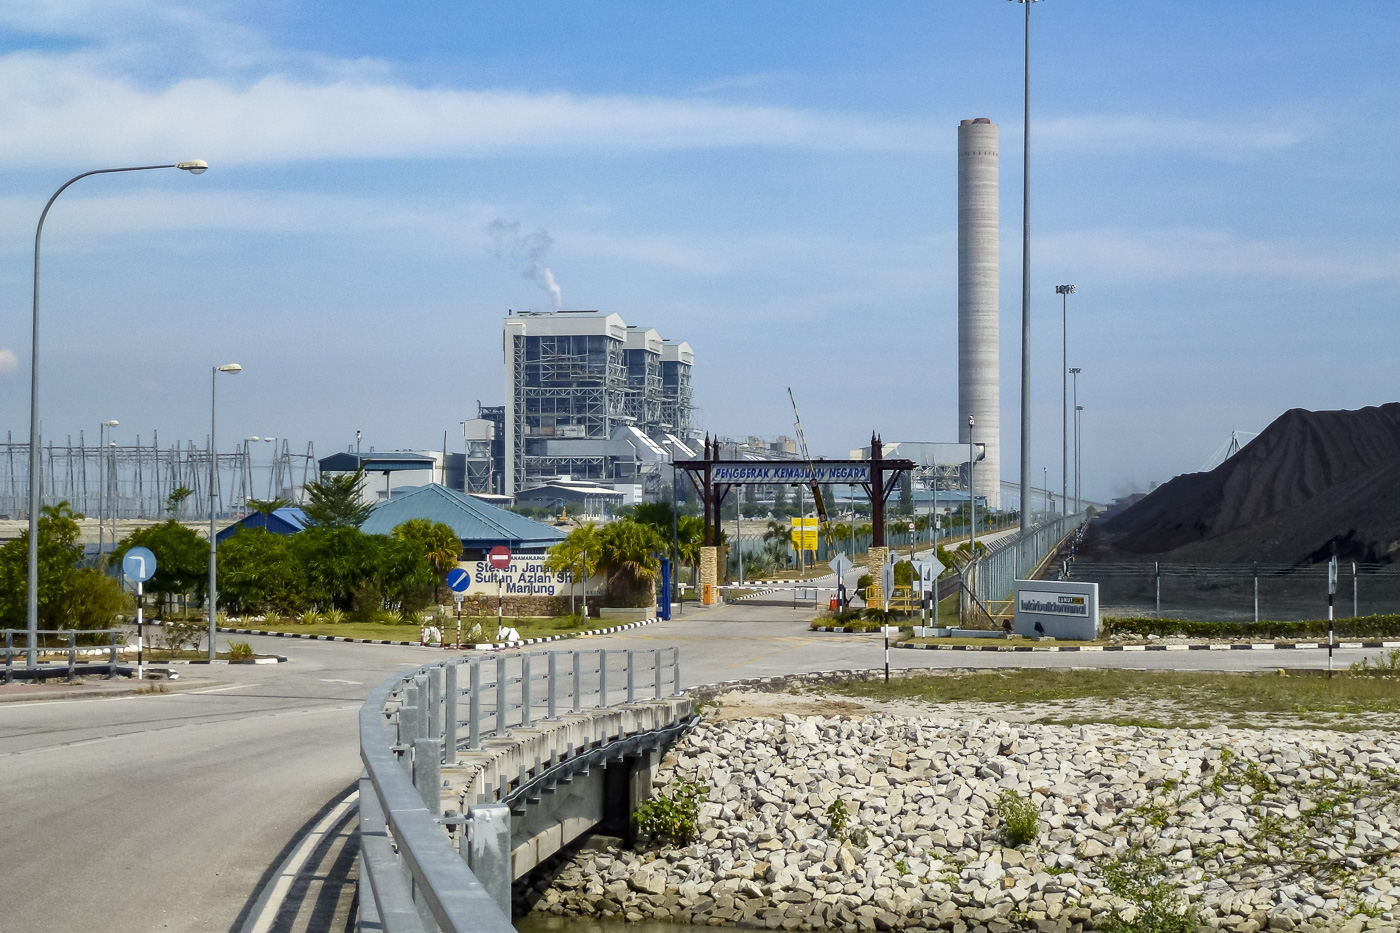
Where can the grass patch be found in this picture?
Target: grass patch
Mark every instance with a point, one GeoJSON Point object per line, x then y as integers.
{"type": "Point", "coordinates": [1200, 696]}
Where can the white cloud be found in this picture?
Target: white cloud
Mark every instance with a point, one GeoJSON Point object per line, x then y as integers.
{"type": "Point", "coordinates": [1137, 255]}
{"type": "Point", "coordinates": [8, 361]}
{"type": "Point", "coordinates": [65, 109]}
{"type": "Point", "coordinates": [1109, 134]}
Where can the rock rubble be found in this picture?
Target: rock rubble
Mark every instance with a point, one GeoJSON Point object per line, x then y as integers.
{"type": "Point", "coordinates": [1265, 829]}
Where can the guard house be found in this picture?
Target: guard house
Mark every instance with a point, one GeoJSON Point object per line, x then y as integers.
{"type": "Point", "coordinates": [406, 468]}
{"type": "Point", "coordinates": [479, 525]}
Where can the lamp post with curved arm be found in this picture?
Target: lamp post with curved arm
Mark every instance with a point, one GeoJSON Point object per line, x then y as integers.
{"type": "Point", "coordinates": [194, 167]}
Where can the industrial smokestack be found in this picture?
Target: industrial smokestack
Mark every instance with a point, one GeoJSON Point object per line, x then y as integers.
{"type": "Point", "coordinates": [979, 375]}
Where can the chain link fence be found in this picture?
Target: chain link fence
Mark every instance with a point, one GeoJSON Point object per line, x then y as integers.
{"type": "Point", "coordinates": [1239, 592]}
{"type": "Point", "coordinates": [1013, 558]}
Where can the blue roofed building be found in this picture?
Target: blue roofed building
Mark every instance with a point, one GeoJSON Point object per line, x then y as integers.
{"type": "Point", "coordinates": [287, 520]}
{"type": "Point", "coordinates": [480, 525]}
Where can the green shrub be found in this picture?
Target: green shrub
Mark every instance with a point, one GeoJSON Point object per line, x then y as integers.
{"type": "Point", "coordinates": [240, 651]}
{"type": "Point", "coordinates": [333, 616]}
{"type": "Point", "coordinates": [1385, 665]}
{"type": "Point", "coordinates": [1141, 879]}
{"type": "Point", "coordinates": [837, 819]}
{"type": "Point", "coordinates": [1020, 816]}
{"type": "Point", "coordinates": [675, 817]}
{"type": "Point", "coordinates": [1378, 626]}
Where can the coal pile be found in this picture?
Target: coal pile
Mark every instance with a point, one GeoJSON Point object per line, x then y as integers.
{"type": "Point", "coordinates": [1311, 483]}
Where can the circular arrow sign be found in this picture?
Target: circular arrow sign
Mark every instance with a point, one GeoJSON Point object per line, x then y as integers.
{"type": "Point", "coordinates": [138, 564]}
{"type": "Point", "coordinates": [458, 580]}
{"type": "Point", "coordinates": [499, 557]}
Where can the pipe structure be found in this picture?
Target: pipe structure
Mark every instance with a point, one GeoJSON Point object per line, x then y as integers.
{"type": "Point", "coordinates": [979, 375]}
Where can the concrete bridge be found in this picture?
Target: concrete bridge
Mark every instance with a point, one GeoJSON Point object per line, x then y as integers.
{"type": "Point", "coordinates": [552, 745]}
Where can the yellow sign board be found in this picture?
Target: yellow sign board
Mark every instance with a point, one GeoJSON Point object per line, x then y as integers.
{"type": "Point", "coordinates": [804, 534]}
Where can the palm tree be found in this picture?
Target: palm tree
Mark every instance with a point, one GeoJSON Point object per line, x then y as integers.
{"type": "Point", "coordinates": [630, 559]}
{"type": "Point", "coordinates": [437, 542]}
{"type": "Point", "coordinates": [267, 506]}
{"type": "Point", "coordinates": [579, 554]}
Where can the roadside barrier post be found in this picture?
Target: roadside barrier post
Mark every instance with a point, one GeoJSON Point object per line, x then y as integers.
{"type": "Point", "coordinates": [500, 695]}
{"type": "Point", "coordinates": [578, 679]}
{"type": "Point", "coordinates": [631, 676]}
{"type": "Point", "coordinates": [474, 704]}
{"type": "Point", "coordinates": [449, 719]}
{"type": "Point", "coordinates": [525, 691]}
{"type": "Point", "coordinates": [656, 663]}
{"type": "Point", "coordinates": [676, 671]}
{"type": "Point", "coordinates": [553, 686]}
{"type": "Point", "coordinates": [602, 677]}
{"type": "Point", "coordinates": [434, 701]}
{"type": "Point", "coordinates": [427, 774]}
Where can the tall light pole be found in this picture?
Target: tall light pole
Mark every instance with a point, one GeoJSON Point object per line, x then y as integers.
{"type": "Point", "coordinates": [1064, 291]}
{"type": "Point", "coordinates": [1078, 452]}
{"type": "Point", "coordinates": [194, 167]}
{"type": "Point", "coordinates": [213, 599]}
{"type": "Point", "coordinates": [972, 494]}
{"type": "Point", "coordinates": [102, 485]}
{"type": "Point", "coordinates": [1074, 374]}
{"type": "Point", "coordinates": [1026, 283]}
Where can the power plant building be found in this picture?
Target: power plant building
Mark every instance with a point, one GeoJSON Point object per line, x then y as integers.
{"type": "Point", "coordinates": [588, 398]}
{"type": "Point", "coordinates": [979, 377]}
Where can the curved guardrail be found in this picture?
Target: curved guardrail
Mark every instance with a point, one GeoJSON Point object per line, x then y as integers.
{"type": "Point", "coordinates": [994, 574]}
{"type": "Point", "coordinates": [413, 878]}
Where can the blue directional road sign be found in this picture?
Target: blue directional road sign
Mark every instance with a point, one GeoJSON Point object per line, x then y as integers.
{"type": "Point", "coordinates": [138, 564]}
{"type": "Point", "coordinates": [458, 580]}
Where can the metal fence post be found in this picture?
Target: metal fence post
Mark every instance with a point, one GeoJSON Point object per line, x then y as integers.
{"type": "Point", "coordinates": [112, 655]}
{"type": "Point", "coordinates": [9, 656]}
{"type": "Point", "coordinates": [434, 698]}
{"type": "Point", "coordinates": [578, 679]}
{"type": "Point", "coordinates": [631, 676]}
{"type": "Point", "coordinates": [474, 704]}
{"type": "Point", "coordinates": [602, 677]}
{"type": "Point", "coordinates": [552, 688]}
{"type": "Point", "coordinates": [1354, 592]}
{"type": "Point", "coordinates": [525, 691]}
{"type": "Point", "coordinates": [72, 653]}
{"type": "Point", "coordinates": [676, 662]}
{"type": "Point", "coordinates": [656, 663]}
{"type": "Point", "coordinates": [427, 774]}
{"type": "Point", "coordinates": [500, 695]}
{"type": "Point", "coordinates": [1256, 591]}
{"type": "Point", "coordinates": [449, 715]}
{"type": "Point", "coordinates": [1157, 574]}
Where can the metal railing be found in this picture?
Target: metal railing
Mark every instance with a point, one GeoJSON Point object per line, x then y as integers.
{"type": "Point", "coordinates": [413, 878]}
{"type": "Point", "coordinates": [995, 572]}
{"type": "Point", "coordinates": [68, 644]}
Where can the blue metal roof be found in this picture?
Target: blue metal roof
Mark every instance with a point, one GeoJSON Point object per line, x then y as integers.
{"type": "Point", "coordinates": [478, 524]}
{"type": "Point", "coordinates": [284, 521]}
{"type": "Point", "coordinates": [375, 462]}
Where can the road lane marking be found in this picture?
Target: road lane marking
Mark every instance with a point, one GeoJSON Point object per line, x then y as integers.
{"type": "Point", "coordinates": [333, 680]}
{"type": "Point", "coordinates": [289, 869]}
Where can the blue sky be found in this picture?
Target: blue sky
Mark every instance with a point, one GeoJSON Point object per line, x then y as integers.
{"type": "Point", "coordinates": [773, 182]}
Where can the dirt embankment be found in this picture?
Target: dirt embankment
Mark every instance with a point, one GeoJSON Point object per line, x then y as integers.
{"type": "Point", "coordinates": [1312, 482]}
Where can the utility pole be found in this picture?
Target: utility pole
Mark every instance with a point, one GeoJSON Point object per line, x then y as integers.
{"type": "Point", "coordinates": [1064, 291]}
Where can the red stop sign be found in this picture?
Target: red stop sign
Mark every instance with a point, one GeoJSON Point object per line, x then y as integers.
{"type": "Point", "coordinates": [499, 557]}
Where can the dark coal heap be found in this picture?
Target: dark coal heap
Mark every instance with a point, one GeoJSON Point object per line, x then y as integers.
{"type": "Point", "coordinates": [1311, 482]}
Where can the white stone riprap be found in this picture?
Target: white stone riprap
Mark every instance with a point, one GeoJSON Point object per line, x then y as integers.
{"type": "Point", "coordinates": [1259, 829]}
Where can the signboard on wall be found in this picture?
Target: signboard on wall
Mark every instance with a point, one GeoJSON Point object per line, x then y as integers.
{"type": "Point", "coordinates": [1060, 609]}
{"type": "Point", "coordinates": [526, 576]}
{"type": "Point", "coordinates": [768, 474]}
{"type": "Point", "coordinates": [804, 534]}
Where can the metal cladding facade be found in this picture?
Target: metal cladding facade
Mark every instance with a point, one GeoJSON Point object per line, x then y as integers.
{"type": "Point", "coordinates": [979, 375]}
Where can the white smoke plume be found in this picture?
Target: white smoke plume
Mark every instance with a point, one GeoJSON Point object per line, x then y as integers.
{"type": "Point", "coordinates": [8, 361]}
{"type": "Point", "coordinates": [533, 250]}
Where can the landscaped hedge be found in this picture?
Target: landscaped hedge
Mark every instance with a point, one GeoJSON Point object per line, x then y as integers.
{"type": "Point", "coordinates": [1380, 626]}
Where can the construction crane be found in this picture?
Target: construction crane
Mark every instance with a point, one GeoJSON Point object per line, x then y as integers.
{"type": "Point", "coordinates": [802, 443]}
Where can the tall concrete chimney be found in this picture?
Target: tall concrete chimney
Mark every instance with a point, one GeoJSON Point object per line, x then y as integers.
{"type": "Point", "coordinates": [979, 375]}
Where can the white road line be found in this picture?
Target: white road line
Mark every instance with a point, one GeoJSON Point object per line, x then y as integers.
{"type": "Point", "coordinates": [221, 689]}
{"type": "Point", "coordinates": [333, 680]}
{"type": "Point", "coordinates": [287, 874]}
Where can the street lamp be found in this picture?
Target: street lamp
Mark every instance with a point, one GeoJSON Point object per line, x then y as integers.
{"type": "Point", "coordinates": [102, 484]}
{"type": "Point", "coordinates": [972, 494]}
{"type": "Point", "coordinates": [1026, 283]}
{"type": "Point", "coordinates": [194, 167]}
{"type": "Point", "coordinates": [213, 600]}
{"type": "Point", "coordinates": [1064, 291]}
{"type": "Point", "coordinates": [1074, 374]}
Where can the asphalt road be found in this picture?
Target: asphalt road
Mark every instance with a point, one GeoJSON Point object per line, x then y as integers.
{"type": "Point", "coordinates": [164, 812]}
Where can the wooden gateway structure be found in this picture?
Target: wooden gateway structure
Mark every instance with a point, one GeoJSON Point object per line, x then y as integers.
{"type": "Point", "coordinates": [713, 479]}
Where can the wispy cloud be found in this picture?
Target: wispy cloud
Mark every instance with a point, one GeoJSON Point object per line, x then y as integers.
{"type": "Point", "coordinates": [1115, 134]}
{"type": "Point", "coordinates": [1137, 256]}
{"type": "Point", "coordinates": [64, 109]}
{"type": "Point", "coordinates": [8, 361]}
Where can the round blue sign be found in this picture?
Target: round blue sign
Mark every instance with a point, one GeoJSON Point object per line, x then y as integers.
{"type": "Point", "coordinates": [458, 580]}
{"type": "Point", "coordinates": [138, 564]}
